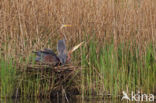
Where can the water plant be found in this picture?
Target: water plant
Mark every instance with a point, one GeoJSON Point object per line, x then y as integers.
{"type": "Point", "coordinates": [7, 78]}
{"type": "Point", "coordinates": [109, 71]}
{"type": "Point", "coordinates": [119, 52]}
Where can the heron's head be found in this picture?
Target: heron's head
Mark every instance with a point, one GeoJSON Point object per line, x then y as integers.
{"type": "Point", "coordinates": [65, 25]}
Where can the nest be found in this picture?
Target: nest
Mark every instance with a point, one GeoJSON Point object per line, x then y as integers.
{"type": "Point", "coordinates": [50, 67]}
{"type": "Point", "coordinates": [61, 80]}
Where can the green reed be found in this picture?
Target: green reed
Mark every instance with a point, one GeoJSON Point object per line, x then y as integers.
{"type": "Point", "coordinates": [105, 70]}
{"type": "Point", "coordinates": [32, 84]}
{"type": "Point", "coordinates": [7, 77]}
{"type": "Point", "coordinates": [111, 71]}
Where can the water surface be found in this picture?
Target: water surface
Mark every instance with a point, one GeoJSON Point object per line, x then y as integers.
{"type": "Point", "coordinates": [75, 100]}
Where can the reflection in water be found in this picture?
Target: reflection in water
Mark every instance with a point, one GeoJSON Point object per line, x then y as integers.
{"type": "Point", "coordinates": [28, 100]}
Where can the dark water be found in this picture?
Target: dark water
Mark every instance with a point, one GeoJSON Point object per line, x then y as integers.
{"type": "Point", "coordinates": [76, 100]}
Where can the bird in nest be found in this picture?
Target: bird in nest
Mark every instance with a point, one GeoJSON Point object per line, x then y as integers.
{"type": "Point", "coordinates": [63, 57]}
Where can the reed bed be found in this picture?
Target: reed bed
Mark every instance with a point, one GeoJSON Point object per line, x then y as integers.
{"type": "Point", "coordinates": [120, 47]}
{"type": "Point", "coordinates": [113, 71]}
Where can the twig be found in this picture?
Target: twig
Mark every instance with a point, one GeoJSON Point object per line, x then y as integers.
{"type": "Point", "coordinates": [64, 92]}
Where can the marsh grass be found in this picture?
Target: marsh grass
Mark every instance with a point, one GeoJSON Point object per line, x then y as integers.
{"type": "Point", "coordinates": [7, 78]}
{"type": "Point", "coordinates": [119, 52]}
{"type": "Point", "coordinates": [32, 25]}
{"type": "Point", "coordinates": [105, 71]}
{"type": "Point", "coordinates": [113, 71]}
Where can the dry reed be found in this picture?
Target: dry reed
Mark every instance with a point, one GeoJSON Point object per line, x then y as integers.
{"type": "Point", "coordinates": [27, 25]}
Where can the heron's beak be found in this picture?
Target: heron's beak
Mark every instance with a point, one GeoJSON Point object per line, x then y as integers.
{"type": "Point", "coordinates": [76, 47]}
{"type": "Point", "coordinates": [65, 25]}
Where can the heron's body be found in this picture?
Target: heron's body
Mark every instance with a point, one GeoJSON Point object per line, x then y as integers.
{"type": "Point", "coordinates": [47, 56]}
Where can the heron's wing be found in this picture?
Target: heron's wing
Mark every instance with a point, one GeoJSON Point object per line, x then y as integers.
{"type": "Point", "coordinates": [76, 47]}
{"type": "Point", "coordinates": [38, 53]}
{"type": "Point", "coordinates": [48, 51]}
{"type": "Point", "coordinates": [41, 53]}
{"type": "Point", "coordinates": [61, 47]}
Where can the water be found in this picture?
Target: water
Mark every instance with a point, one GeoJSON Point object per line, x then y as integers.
{"type": "Point", "coordinates": [75, 100]}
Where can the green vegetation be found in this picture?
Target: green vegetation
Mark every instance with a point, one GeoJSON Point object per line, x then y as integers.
{"type": "Point", "coordinates": [7, 78]}
{"type": "Point", "coordinates": [105, 70]}
{"type": "Point", "coordinates": [110, 71]}
{"type": "Point", "coordinates": [119, 52]}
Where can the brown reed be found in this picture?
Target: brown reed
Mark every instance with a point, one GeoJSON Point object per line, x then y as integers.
{"type": "Point", "coordinates": [27, 25]}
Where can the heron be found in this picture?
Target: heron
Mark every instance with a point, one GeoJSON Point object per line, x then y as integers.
{"type": "Point", "coordinates": [63, 57]}
{"type": "Point", "coordinates": [46, 56]}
